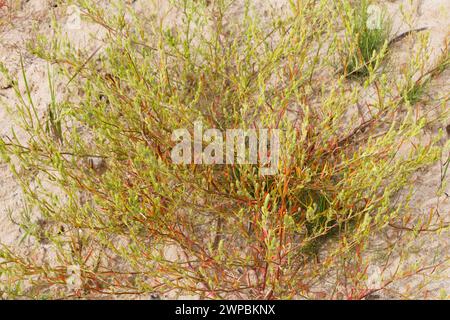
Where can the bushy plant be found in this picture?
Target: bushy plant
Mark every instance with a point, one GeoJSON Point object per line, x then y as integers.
{"type": "Point", "coordinates": [97, 168]}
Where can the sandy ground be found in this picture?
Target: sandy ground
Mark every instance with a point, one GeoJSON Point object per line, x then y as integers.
{"type": "Point", "coordinates": [27, 18]}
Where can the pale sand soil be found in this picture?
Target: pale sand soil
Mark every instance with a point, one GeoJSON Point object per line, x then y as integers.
{"type": "Point", "coordinates": [20, 28]}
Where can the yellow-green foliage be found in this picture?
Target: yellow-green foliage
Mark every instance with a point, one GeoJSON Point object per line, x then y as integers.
{"type": "Point", "coordinates": [117, 204]}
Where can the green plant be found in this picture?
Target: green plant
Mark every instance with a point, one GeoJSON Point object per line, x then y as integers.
{"type": "Point", "coordinates": [367, 40]}
{"type": "Point", "coordinates": [418, 78]}
{"type": "Point", "coordinates": [132, 222]}
{"type": "Point", "coordinates": [415, 91]}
